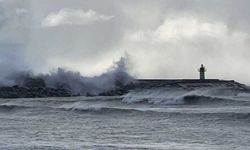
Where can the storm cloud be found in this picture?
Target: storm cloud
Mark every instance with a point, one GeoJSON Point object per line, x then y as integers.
{"type": "Point", "coordinates": [163, 38]}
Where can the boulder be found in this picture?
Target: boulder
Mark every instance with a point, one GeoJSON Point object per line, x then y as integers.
{"type": "Point", "coordinates": [34, 83]}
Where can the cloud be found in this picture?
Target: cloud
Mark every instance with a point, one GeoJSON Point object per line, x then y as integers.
{"type": "Point", "coordinates": [73, 17]}
{"type": "Point", "coordinates": [188, 27]}
{"type": "Point", "coordinates": [180, 43]}
{"type": "Point", "coordinates": [182, 29]}
{"type": "Point", "coordinates": [164, 38]}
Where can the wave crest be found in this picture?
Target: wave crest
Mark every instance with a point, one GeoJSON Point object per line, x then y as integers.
{"type": "Point", "coordinates": [11, 106]}
{"type": "Point", "coordinates": [181, 97]}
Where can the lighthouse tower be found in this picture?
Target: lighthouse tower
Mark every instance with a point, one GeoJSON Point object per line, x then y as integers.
{"type": "Point", "coordinates": [202, 71]}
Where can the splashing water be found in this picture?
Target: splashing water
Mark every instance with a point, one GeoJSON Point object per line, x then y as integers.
{"type": "Point", "coordinates": [116, 76]}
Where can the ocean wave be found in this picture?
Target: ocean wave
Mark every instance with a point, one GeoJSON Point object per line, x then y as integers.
{"type": "Point", "coordinates": [117, 107]}
{"type": "Point", "coordinates": [142, 100]}
{"type": "Point", "coordinates": [218, 114]}
{"type": "Point", "coordinates": [213, 100]}
{"type": "Point", "coordinates": [131, 108]}
{"type": "Point", "coordinates": [181, 97]}
{"type": "Point", "coordinates": [98, 107]}
{"type": "Point", "coordinates": [11, 106]}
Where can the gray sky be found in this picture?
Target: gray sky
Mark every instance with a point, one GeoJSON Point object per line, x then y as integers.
{"type": "Point", "coordinates": [162, 38]}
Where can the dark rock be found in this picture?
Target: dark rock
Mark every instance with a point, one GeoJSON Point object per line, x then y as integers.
{"type": "Point", "coordinates": [20, 92]}
{"type": "Point", "coordinates": [34, 83]}
{"type": "Point", "coordinates": [32, 88]}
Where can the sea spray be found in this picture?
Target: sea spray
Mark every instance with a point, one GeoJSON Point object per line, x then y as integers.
{"type": "Point", "coordinates": [115, 77]}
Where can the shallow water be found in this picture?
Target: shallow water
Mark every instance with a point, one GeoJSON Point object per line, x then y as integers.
{"type": "Point", "coordinates": [107, 123]}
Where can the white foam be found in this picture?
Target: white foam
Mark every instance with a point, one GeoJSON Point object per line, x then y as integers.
{"type": "Point", "coordinates": [13, 104]}
{"type": "Point", "coordinates": [173, 96]}
{"type": "Point", "coordinates": [82, 106]}
{"type": "Point", "coordinates": [244, 95]}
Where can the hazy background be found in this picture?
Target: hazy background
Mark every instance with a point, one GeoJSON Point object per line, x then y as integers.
{"type": "Point", "coordinates": [161, 38]}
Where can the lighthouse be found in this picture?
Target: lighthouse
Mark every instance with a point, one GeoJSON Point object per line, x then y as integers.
{"type": "Point", "coordinates": [202, 71]}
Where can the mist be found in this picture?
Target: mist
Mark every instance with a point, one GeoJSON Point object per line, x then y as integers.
{"type": "Point", "coordinates": [115, 77]}
{"type": "Point", "coordinates": [77, 84]}
{"type": "Point", "coordinates": [164, 39]}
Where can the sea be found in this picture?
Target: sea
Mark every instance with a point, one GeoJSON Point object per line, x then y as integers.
{"type": "Point", "coordinates": [203, 119]}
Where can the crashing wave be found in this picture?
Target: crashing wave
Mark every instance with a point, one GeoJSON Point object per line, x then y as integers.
{"type": "Point", "coordinates": [62, 83]}
{"type": "Point", "coordinates": [167, 96]}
